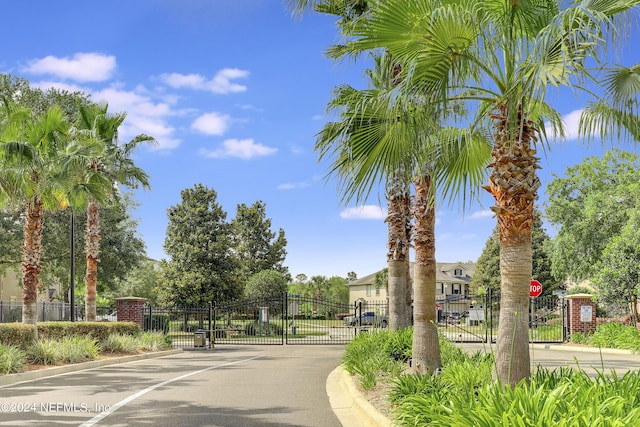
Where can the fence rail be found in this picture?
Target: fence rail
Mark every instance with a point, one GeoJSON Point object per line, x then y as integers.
{"type": "Point", "coordinates": [295, 319]}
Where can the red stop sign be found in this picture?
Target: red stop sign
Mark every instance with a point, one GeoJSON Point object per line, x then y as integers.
{"type": "Point", "coordinates": [535, 289]}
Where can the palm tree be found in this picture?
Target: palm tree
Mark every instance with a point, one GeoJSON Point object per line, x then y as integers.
{"type": "Point", "coordinates": [38, 159]}
{"type": "Point", "coordinates": [500, 57]}
{"type": "Point", "coordinates": [399, 142]}
{"type": "Point", "coordinates": [381, 133]}
{"type": "Point", "coordinates": [362, 121]}
{"type": "Point", "coordinates": [117, 166]}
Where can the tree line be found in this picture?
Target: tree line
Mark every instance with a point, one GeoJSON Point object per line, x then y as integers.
{"type": "Point", "coordinates": [60, 151]}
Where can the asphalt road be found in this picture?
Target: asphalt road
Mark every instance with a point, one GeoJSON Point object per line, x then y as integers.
{"type": "Point", "coordinates": [591, 360]}
{"type": "Point", "coordinates": [231, 386]}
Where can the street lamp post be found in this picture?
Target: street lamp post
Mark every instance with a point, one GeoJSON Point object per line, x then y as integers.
{"type": "Point", "coordinates": [72, 269]}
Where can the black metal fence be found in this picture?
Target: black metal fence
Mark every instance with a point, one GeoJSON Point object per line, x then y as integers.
{"type": "Point", "coordinates": [186, 326]}
{"type": "Point", "coordinates": [290, 319]}
{"type": "Point", "coordinates": [295, 319]}
{"type": "Point", "coordinates": [475, 318]}
{"type": "Point", "coordinates": [11, 311]}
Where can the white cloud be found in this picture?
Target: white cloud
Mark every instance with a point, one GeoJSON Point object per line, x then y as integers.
{"type": "Point", "coordinates": [220, 83]}
{"type": "Point", "coordinates": [143, 116]}
{"type": "Point", "coordinates": [293, 185]}
{"type": "Point", "coordinates": [364, 212]}
{"type": "Point", "coordinates": [487, 213]}
{"type": "Point", "coordinates": [82, 67]}
{"type": "Point", "coordinates": [570, 122]}
{"type": "Point", "coordinates": [241, 148]}
{"type": "Point", "coordinates": [211, 123]}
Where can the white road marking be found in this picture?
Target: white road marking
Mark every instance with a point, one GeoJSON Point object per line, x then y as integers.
{"type": "Point", "coordinates": [93, 421]}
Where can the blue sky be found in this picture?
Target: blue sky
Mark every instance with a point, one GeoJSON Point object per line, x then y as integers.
{"type": "Point", "coordinates": [235, 92]}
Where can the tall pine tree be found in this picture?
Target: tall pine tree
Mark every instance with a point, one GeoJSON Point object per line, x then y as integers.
{"type": "Point", "coordinates": [202, 266]}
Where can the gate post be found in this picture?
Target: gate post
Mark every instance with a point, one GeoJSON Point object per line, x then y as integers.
{"type": "Point", "coordinates": [285, 316]}
{"type": "Point", "coordinates": [209, 329]}
{"type": "Point", "coordinates": [131, 309]}
{"type": "Point", "coordinates": [576, 319]}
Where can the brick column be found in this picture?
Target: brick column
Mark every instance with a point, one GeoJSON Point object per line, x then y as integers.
{"type": "Point", "coordinates": [131, 309]}
{"type": "Point", "coordinates": [576, 302]}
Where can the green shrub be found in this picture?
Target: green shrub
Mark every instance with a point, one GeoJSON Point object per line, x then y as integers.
{"type": "Point", "coordinates": [578, 338]}
{"type": "Point", "coordinates": [464, 394]}
{"type": "Point", "coordinates": [377, 352]}
{"type": "Point", "coordinates": [154, 341]}
{"type": "Point", "coordinates": [66, 350]}
{"type": "Point", "coordinates": [119, 343]}
{"type": "Point", "coordinates": [12, 359]}
{"type": "Point", "coordinates": [98, 330]}
{"type": "Point", "coordinates": [131, 344]}
{"type": "Point", "coordinates": [16, 334]}
{"type": "Point", "coordinates": [616, 335]}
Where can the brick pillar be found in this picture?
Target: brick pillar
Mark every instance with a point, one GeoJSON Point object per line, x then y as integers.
{"type": "Point", "coordinates": [131, 309]}
{"type": "Point", "coordinates": [575, 323]}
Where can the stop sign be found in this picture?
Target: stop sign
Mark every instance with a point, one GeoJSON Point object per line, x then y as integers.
{"type": "Point", "coordinates": [535, 289]}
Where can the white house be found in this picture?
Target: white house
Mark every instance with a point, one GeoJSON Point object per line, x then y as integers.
{"type": "Point", "coordinates": [452, 287]}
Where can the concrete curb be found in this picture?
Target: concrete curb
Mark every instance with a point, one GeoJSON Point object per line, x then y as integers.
{"type": "Point", "coordinates": [578, 349]}
{"type": "Point", "coordinates": [349, 405]}
{"type": "Point", "coordinates": [6, 380]}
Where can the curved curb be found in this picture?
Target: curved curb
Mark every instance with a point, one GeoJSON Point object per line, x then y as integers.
{"type": "Point", "coordinates": [10, 379]}
{"type": "Point", "coordinates": [349, 405]}
{"type": "Point", "coordinates": [578, 349]}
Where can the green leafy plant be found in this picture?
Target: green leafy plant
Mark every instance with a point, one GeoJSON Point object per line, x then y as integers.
{"type": "Point", "coordinates": [154, 341]}
{"type": "Point", "coordinates": [566, 397]}
{"type": "Point", "coordinates": [12, 359]}
{"type": "Point", "coordinates": [66, 350]}
{"type": "Point", "coordinates": [119, 343]}
{"type": "Point", "coordinates": [616, 335]}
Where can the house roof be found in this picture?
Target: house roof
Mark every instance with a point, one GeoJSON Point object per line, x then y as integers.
{"type": "Point", "coordinates": [444, 274]}
{"type": "Point", "coordinates": [369, 279]}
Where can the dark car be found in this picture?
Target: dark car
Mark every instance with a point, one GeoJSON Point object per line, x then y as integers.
{"type": "Point", "coordinates": [371, 319]}
{"type": "Point", "coordinates": [453, 317]}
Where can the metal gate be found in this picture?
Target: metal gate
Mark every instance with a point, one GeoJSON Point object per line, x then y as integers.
{"type": "Point", "coordinates": [187, 327]}
{"type": "Point", "coordinates": [290, 319]}
{"type": "Point", "coordinates": [475, 318]}
{"type": "Point", "coordinates": [295, 319]}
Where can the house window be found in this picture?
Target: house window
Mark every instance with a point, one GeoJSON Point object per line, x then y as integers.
{"type": "Point", "coordinates": [440, 288]}
{"type": "Point", "coordinates": [455, 288]}
{"type": "Point", "coordinates": [457, 272]}
{"type": "Point", "coordinates": [368, 290]}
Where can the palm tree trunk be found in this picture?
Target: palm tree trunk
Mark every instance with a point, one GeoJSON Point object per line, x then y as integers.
{"type": "Point", "coordinates": [398, 252]}
{"type": "Point", "coordinates": [409, 292]}
{"type": "Point", "coordinates": [425, 346]}
{"type": "Point", "coordinates": [409, 281]}
{"type": "Point", "coordinates": [397, 278]}
{"type": "Point", "coordinates": [513, 183]}
{"type": "Point", "coordinates": [512, 346]}
{"type": "Point", "coordinates": [92, 252]}
{"type": "Point", "coordinates": [31, 257]}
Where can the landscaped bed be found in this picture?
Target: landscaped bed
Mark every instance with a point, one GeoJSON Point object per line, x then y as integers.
{"type": "Point", "coordinates": [63, 343]}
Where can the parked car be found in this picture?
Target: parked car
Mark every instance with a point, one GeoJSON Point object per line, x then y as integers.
{"type": "Point", "coordinates": [454, 317]}
{"type": "Point", "coordinates": [348, 320]}
{"type": "Point", "coordinates": [369, 319]}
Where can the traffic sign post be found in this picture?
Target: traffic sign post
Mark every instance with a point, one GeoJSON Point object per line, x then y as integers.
{"type": "Point", "coordinates": [535, 288]}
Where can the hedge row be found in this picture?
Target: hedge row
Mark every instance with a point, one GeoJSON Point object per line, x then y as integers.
{"type": "Point", "coordinates": [21, 335]}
